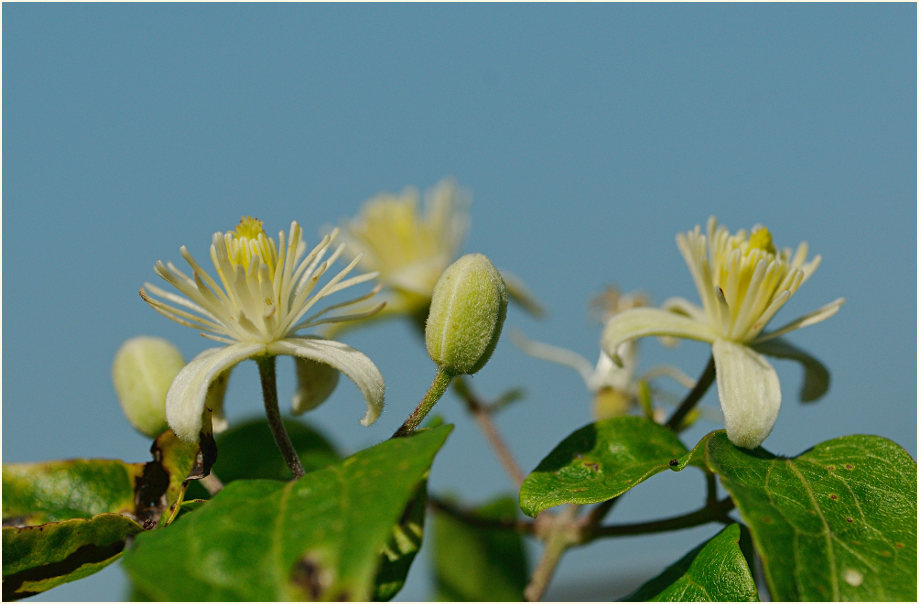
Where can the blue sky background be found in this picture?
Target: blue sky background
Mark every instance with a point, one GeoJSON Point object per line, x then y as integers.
{"type": "Point", "coordinates": [588, 134]}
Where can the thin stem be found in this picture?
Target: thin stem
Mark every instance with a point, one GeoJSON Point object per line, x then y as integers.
{"type": "Point", "coordinates": [701, 387]}
{"type": "Point", "coordinates": [558, 540]}
{"type": "Point", "coordinates": [270, 394]}
{"type": "Point", "coordinates": [482, 415]}
{"type": "Point", "coordinates": [523, 527]}
{"type": "Point", "coordinates": [437, 389]}
{"type": "Point", "coordinates": [211, 483]}
{"type": "Point", "coordinates": [599, 512]}
{"type": "Point", "coordinates": [703, 515]}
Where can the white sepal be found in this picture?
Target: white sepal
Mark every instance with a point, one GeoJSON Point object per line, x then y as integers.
{"type": "Point", "coordinates": [749, 390]}
{"type": "Point", "coordinates": [641, 322]}
{"type": "Point", "coordinates": [342, 357]}
{"type": "Point", "coordinates": [185, 401]}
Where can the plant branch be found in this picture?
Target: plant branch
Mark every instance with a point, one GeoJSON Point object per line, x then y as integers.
{"type": "Point", "coordinates": [692, 398]}
{"type": "Point", "coordinates": [523, 527]}
{"type": "Point", "coordinates": [270, 394]}
{"type": "Point", "coordinates": [560, 537]}
{"type": "Point", "coordinates": [704, 515]}
{"type": "Point", "coordinates": [482, 415]}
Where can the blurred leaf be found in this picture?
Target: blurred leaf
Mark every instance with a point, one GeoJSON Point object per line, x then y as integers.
{"type": "Point", "coordinates": [248, 450]}
{"type": "Point", "coordinates": [837, 522]}
{"type": "Point", "coordinates": [716, 571]}
{"type": "Point", "coordinates": [600, 461]}
{"type": "Point", "coordinates": [404, 543]}
{"type": "Point", "coordinates": [65, 520]}
{"type": "Point", "coordinates": [474, 564]}
{"type": "Point", "coordinates": [319, 537]}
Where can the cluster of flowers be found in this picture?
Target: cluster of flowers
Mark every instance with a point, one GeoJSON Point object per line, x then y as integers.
{"type": "Point", "coordinates": [266, 291]}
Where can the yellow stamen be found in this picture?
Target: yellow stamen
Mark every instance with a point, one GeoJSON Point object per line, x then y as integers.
{"type": "Point", "coordinates": [249, 227]}
{"type": "Point", "coordinates": [761, 239]}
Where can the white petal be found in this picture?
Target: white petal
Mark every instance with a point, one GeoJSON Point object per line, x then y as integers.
{"type": "Point", "coordinates": [749, 391]}
{"type": "Point", "coordinates": [185, 401]}
{"type": "Point", "coordinates": [822, 313]}
{"type": "Point", "coordinates": [641, 322]}
{"type": "Point", "coordinates": [683, 306]}
{"type": "Point", "coordinates": [349, 361]}
{"type": "Point", "coordinates": [816, 375]}
{"type": "Point", "coordinates": [315, 383]}
{"type": "Point", "coordinates": [554, 354]}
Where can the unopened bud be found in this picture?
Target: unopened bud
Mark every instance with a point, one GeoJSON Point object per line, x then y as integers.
{"type": "Point", "coordinates": [142, 372]}
{"type": "Point", "coordinates": [466, 316]}
{"type": "Point", "coordinates": [315, 383]}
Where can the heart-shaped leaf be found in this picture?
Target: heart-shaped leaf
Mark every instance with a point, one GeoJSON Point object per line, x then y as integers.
{"type": "Point", "coordinates": [837, 522]}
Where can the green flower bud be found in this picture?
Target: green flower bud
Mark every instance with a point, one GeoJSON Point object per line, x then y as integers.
{"type": "Point", "coordinates": [467, 312]}
{"type": "Point", "coordinates": [142, 372]}
{"type": "Point", "coordinates": [315, 383]}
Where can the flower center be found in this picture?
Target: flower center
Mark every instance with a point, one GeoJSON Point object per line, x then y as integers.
{"type": "Point", "coordinates": [251, 242]}
{"type": "Point", "coordinates": [761, 239]}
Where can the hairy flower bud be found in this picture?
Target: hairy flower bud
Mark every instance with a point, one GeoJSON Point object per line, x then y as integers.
{"type": "Point", "coordinates": [466, 316]}
{"type": "Point", "coordinates": [142, 372]}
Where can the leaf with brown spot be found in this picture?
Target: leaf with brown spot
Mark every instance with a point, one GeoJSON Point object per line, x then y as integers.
{"type": "Point", "coordinates": [837, 511]}
{"type": "Point", "coordinates": [64, 520]}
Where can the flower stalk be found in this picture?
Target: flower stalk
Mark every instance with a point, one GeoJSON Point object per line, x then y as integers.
{"type": "Point", "coordinates": [438, 387]}
{"type": "Point", "coordinates": [281, 438]}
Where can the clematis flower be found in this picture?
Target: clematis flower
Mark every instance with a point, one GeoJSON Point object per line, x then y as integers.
{"type": "Point", "coordinates": [614, 387]}
{"type": "Point", "coordinates": [410, 248]}
{"type": "Point", "coordinates": [743, 281]}
{"type": "Point", "coordinates": [263, 297]}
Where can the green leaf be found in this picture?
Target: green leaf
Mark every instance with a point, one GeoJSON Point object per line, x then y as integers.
{"type": "Point", "coordinates": [716, 571]}
{"type": "Point", "coordinates": [65, 520]}
{"type": "Point", "coordinates": [475, 564]}
{"type": "Point", "coordinates": [37, 558]}
{"type": "Point", "coordinates": [318, 538]}
{"type": "Point", "coordinates": [248, 450]}
{"type": "Point", "coordinates": [403, 545]}
{"type": "Point", "coordinates": [837, 522]}
{"type": "Point", "coordinates": [600, 461]}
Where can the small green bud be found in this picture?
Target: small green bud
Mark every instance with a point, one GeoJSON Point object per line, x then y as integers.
{"type": "Point", "coordinates": [315, 383]}
{"type": "Point", "coordinates": [466, 316]}
{"type": "Point", "coordinates": [142, 372]}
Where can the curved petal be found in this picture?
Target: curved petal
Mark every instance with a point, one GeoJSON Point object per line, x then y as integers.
{"type": "Point", "coordinates": [816, 375]}
{"type": "Point", "coordinates": [315, 383]}
{"type": "Point", "coordinates": [518, 293]}
{"type": "Point", "coordinates": [554, 354]}
{"type": "Point", "coordinates": [683, 306]}
{"type": "Point", "coordinates": [641, 322]}
{"type": "Point", "coordinates": [821, 314]}
{"type": "Point", "coordinates": [186, 399]}
{"type": "Point", "coordinates": [749, 390]}
{"type": "Point", "coordinates": [349, 361]}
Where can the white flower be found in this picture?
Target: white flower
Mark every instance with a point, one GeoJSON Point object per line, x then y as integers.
{"type": "Point", "coordinates": [743, 281]}
{"type": "Point", "coordinates": [409, 249]}
{"type": "Point", "coordinates": [257, 308]}
{"type": "Point", "coordinates": [613, 386]}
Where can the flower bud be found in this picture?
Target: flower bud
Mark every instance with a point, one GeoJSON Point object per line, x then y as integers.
{"type": "Point", "coordinates": [315, 383]}
{"type": "Point", "coordinates": [466, 315]}
{"type": "Point", "coordinates": [142, 372]}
